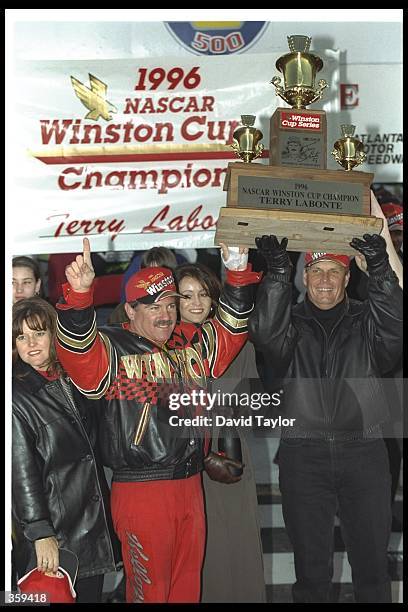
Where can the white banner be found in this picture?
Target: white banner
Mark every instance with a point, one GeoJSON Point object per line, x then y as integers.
{"type": "Point", "coordinates": [133, 153]}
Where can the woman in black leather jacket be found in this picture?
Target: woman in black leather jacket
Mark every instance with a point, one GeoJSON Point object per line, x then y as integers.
{"type": "Point", "coordinates": [60, 494]}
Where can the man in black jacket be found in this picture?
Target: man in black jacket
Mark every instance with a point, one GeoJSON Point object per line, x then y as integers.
{"type": "Point", "coordinates": [331, 352]}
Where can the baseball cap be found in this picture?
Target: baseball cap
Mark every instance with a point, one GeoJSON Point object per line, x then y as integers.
{"type": "Point", "coordinates": [59, 586]}
{"type": "Point", "coordinates": [311, 258]}
{"type": "Point", "coordinates": [150, 285]}
{"type": "Point", "coordinates": [394, 215]}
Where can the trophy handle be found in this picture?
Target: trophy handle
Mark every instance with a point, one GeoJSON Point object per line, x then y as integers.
{"type": "Point", "coordinates": [322, 84]}
{"type": "Point", "coordinates": [279, 89]}
{"type": "Point", "coordinates": [362, 157]}
{"type": "Point", "coordinates": [336, 155]}
{"type": "Point", "coordinates": [258, 151]}
{"type": "Point", "coordinates": [235, 147]}
{"type": "Point", "coordinates": [247, 157]}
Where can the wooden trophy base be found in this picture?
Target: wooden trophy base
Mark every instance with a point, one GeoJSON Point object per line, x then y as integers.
{"type": "Point", "coordinates": [306, 231]}
{"type": "Point", "coordinates": [298, 138]}
{"type": "Point", "coordinates": [259, 186]}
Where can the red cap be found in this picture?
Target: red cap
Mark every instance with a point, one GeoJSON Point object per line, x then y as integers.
{"type": "Point", "coordinates": [311, 258]}
{"type": "Point", "coordinates": [60, 586]}
{"type": "Point", "coordinates": [150, 285]}
{"type": "Point", "coordinates": [394, 215]}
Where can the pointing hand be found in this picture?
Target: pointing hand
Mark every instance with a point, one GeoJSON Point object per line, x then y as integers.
{"type": "Point", "coordinates": [80, 273]}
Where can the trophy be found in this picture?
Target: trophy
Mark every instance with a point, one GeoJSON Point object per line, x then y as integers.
{"type": "Point", "coordinates": [348, 151]}
{"type": "Point", "coordinates": [297, 136]}
{"type": "Point", "coordinates": [296, 195]}
{"type": "Point", "coordinates": [246, 140]}
{"type": "Point", "coordinates": [299, 68]}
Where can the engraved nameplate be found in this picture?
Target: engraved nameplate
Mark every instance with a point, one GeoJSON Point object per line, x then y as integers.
{"type": "Point", "coordinates": [300, 194]}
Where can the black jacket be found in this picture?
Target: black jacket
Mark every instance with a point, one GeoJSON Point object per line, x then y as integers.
{"type": "Point", "coordinates": [332, 382]}
{"type": "Point", "coordinates": [137, 378]}
{"type": "Point", "coordinates": [137, 442]}
{"type": "Point", "coordinates": [59, 487]}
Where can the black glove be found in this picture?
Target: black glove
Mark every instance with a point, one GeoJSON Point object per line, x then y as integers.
{"type": "Point", "coordinates": [374, 249]}
{"type": "Point", "coordinates": [217, 468]}
{"type": "Point", "coordinates": [275, 254]}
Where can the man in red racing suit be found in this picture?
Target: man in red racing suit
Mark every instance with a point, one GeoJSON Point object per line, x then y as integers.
{"type": "Point", "coordinates": [135, 369]}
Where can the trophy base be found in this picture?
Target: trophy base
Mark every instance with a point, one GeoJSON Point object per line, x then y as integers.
{"type": "Point", "coordinates": [260, 186]}
{"type": "Point", "coordinates": [305, 231]}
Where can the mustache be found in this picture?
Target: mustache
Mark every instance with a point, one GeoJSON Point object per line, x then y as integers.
{"type": "Point", "coordinates": [163, 322]}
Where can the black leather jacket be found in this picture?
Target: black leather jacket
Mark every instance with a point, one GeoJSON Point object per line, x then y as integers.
{"type": "Point", "coordinates": [332, 383]}
{"type": "Point", "coordinates": [136, 378]}
{"type": "Point", "coordinates": [137, 442]}
{"type": "Point", "coordinates": [58, 485]}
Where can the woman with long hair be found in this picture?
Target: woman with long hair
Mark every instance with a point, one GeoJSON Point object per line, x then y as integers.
{"type": "Point", "coordinates": [233, 563]}
{"type": "Point", "coordinates": [59, 490]}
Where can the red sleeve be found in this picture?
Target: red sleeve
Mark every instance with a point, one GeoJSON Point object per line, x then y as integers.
{"type": "Point", "coordinates": [228, 347]}
{"type": "Point", "coordinates": [239, 278]}
{"type": "Point", "coordinates": [225, 335]}
{"type": "Point", "coordinates": [85, 354]}
{"type": "Point", "coordinates": [75, 299]}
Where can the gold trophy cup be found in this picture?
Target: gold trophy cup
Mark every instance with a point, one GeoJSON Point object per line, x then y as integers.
{"type": "Point", "coordinates": [348, 151]}
{"type": "Point", "coordinates": [299, 69]}
{"type": "Point", "coordinates": [246, 140]}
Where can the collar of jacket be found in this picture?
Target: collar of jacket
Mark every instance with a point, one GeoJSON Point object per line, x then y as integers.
{"type": "Point", "coordinates": [144, 345]}
{"type": "Point", "coordinates": [30, 378]}
{"type": "Point", "coordinates": [349, 312]}
{"type": "Point", "coordinates": [342, 309]}
{"type": "Point", "coordinates": [304, 311]}
{"type": "Point", "coordinates": [351, 308]}
{"type": "Point", "coordinates": [347, 316]}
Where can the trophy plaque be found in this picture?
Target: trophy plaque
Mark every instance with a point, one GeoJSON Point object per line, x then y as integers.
{"type": "Point", "coordinates": [295, 195]}
{"type": "Point", "coordinates": [298, 138]}
{"type": "Point", "coordinates": [298, 189]}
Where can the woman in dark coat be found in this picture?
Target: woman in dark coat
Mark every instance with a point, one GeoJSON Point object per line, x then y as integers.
{"type": "Point", "coordinates": [60, 496]}
{"type": "Point", "coordinates": [233, 562]}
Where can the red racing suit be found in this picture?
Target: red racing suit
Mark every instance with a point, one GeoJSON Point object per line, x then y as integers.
{"type": "Point", "coordinates": [157, 502]}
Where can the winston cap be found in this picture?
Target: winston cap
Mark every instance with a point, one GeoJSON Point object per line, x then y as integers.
{"type": "Point", "coordinates": [150, 285]}
{"type": "Point", "coordinates": [311, 258]}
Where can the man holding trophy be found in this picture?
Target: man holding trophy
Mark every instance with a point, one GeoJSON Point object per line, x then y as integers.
{"type": "Point", "coordinates": [329, 351]}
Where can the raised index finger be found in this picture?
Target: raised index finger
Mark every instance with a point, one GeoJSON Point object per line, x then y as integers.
{"type": "Point", "coordinates": [87, 252]}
